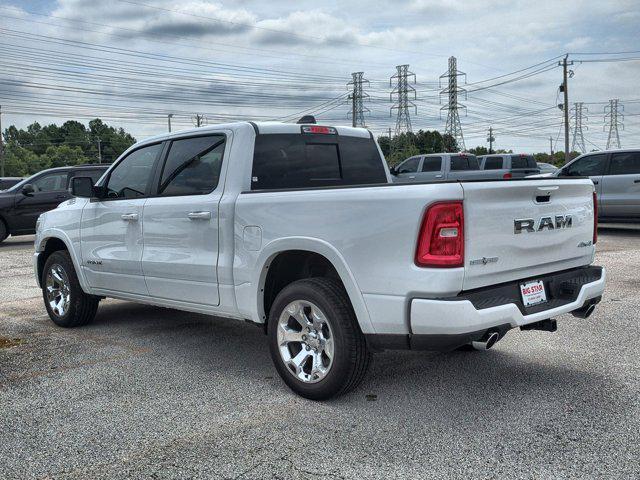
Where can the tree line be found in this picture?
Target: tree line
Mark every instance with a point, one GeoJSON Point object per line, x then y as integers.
{"type": "Point", "coordinates": [35, 148]}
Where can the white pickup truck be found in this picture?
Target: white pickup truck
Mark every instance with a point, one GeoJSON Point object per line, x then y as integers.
{"type": "Point", "coordinates": [298, 228]}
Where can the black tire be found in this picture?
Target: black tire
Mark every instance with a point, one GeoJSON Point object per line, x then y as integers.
{"type": "Point", "coordinates": [81, 307]}
{"type": "Point", "coordinates": [350, 358]}
{"type": "Point", "coordinates": [4, 231]}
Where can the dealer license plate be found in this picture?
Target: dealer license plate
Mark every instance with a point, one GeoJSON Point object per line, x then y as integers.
{"type": "Point", "coordinates": [533, 293]}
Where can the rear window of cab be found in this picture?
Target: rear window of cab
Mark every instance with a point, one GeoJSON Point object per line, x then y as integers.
{"type": "Point", "coordinates": [282, 161]}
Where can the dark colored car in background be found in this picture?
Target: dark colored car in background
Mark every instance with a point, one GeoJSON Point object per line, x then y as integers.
{"type": "Point", "coordinates": [8, 182]}
{"type": "Point", "coordinates": [22, 204]}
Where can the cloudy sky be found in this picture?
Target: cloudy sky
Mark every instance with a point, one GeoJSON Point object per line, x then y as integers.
{"type": "Point", "coordinates": [133, 62]}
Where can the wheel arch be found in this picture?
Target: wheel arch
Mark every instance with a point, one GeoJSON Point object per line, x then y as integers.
{"type": "Point", "coordinates": [53, 242]}
{"type": "Point", "coordinates": [312, 248]}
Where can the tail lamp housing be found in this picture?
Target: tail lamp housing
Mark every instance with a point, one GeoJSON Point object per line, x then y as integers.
{"type": "Point", "coordinates": [595, 217]}
{"type": "Point", "coordinates": [441, 237]}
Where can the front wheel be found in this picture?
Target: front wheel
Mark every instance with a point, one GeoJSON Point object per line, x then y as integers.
{"type": "Point", "coordinates": [65, 301]}
{"type": "Point", "coordinates": [314, 339]}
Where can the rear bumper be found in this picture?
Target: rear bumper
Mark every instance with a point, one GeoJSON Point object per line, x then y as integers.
{"type": "Point", "coordinates": [444, 324]}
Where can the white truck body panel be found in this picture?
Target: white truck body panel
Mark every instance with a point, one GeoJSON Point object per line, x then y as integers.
{"type": "Point", "coordinates": [369, 234]}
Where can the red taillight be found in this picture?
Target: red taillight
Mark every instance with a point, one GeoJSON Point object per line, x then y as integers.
{"type": "Point", "coordinates": [441, 238]}
{"type": "Point", "coordinates": [507, 176]}
{"type": "Point", "coordinates": [319, 129]}
{"type": "Point", "coordinates": [595, 217]}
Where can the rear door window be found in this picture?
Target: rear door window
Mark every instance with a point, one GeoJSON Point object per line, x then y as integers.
{"type": "Point", "coordinates": [432, 164]}
{"type": "Point", "coordinates": [523, 161]}
{"type": "Point", "coordinates": [51, 182]}
{"type": "Point", "coordinates": [627, 163]}
{"type": "Point", "coordinates": [315, 160]}
{"type": "Point", "coordinates": [464, 162]}
{"type": "Point", "coordinates": [493, 163]}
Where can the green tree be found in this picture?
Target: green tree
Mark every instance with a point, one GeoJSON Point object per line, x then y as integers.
{"type": "Point", "coordinates": [21, 162]}
{"type": "Point", "coordinates": [63, 155]}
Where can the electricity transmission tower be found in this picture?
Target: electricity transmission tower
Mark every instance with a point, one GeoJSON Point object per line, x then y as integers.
{"type": "Point", "coordinates": [402, 91]}
{"type": "Point", "coordinates": [199, 120]}
{"type": "Point", "coordinates": [578, 117]}
{"type": "Point", "coordinates": [615, 119]}
{"type": "Point", "coordinates": [452, 91]}
{"type": "Point", "coordinates": [357, 97]}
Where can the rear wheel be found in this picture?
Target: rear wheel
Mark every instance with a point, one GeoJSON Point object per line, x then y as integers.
{"type": "Point", "coordinates": [65, 301]}
{"type": "Point", "coordinates": [314, 339]}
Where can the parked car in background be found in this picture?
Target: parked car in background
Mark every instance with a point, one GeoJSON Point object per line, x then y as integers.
{"type": "Point", "coordinates": [6, 182]}
{"type": "Point", "coordinates": [438, 167]}
{"type": "Point", "coordinates": [297, 228]}
{"type": "Point", "coordinates": [616, 176]}
{"type": "Point", "coordinates": [22, 204]}
{"type": "Point", "coordinates": [510, 165]}
{"type": "Point", "coordinates": [547, 168]}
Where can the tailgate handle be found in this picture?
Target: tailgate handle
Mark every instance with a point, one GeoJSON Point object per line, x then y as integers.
{"type": "Point", "coordinates": [543, 198]}
{"type": "Point", "coordinates": [549, 188]}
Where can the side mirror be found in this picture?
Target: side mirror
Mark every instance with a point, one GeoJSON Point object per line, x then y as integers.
{"type": "Point", "coordinates": [28, 190]}
{"type": "Point", "coordinates": [82, 187]}
{"type": "Point", "coordinates": [393, 171]}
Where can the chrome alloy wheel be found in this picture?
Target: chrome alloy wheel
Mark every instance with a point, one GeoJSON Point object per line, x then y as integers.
{"type": "Point", "coordinates": [305, 341]}
{"type": "Point", "coordinates": [58, 290]}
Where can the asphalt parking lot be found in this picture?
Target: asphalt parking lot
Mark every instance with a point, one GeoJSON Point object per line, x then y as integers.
{"type": "Point", "coordinates": [147, 392]}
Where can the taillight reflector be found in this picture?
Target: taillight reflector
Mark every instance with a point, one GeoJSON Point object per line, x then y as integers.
{"type": "Point", "coordinates": [507, 176]}
{"type": "Point", "coordinates": [595, 217]}
{"type": "Point", "coordinates": [441, 237]}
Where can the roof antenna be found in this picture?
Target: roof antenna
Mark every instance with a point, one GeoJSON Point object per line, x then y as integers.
{"type": "Point", "coordinates": [307, 119]}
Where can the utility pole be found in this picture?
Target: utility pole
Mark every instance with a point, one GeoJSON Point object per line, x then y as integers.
{"type": "Point", "coordinates": [169, 121]}
{"type": "Point", "coordinates": [578, 117]}
{"type": "Point", "coordinates": [99, 151]}
{"type": "Point", "coordinates": [491, 139]}
{"type": "Point", "coordinates": [402, 91]}
{"type": "Point", "coordinates": [551, 145]}
{"type": "Point", "coordinates": [565, 106]}
{"type": "Point", "coordinates": [612, 113]}
{"type": "Point", "coordinates": [357, 97]}
{"type": "Point", "coordinates": [1, 147]}
{"type": "Point", "coordinates": [453, 127]}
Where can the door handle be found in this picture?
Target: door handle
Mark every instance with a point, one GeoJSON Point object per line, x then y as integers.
{"type": "Point", "coordinates": [636, 181]}
{"type": "Point", "coordinates": [129, 217]}
{"type": "Point", "coordinates": [58, 197]}
{"type": "Point", "coordinates": [438, 176]}
{"type": "Point", "coordinates": [412, 176]}
{"type": "Point", "coordinates": [199, 215]}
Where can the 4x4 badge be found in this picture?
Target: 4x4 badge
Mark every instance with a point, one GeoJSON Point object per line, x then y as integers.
{"type": "Point", "coordinates": [483, 261]}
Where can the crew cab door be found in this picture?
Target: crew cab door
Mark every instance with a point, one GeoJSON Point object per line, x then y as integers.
{"type": "Point", "coordinates": [620, 195]}
{"type": "Point", "coordinates": [407, 170]}
{"type": "Point", "coordinates": [180, 222]}
{"type": "Point", "coordinates": [111, 227]}
{"type": "Point", "coordinates": [49, 191]}
{"type": "Point", "coordinates": [431, 169]}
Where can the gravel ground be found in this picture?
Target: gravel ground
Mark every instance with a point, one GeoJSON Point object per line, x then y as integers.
{"type": "Point", "coordinates": [147, 392]}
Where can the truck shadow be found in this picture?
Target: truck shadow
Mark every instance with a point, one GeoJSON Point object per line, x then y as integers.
{"type": "Point", "coordinates": [457, 382]}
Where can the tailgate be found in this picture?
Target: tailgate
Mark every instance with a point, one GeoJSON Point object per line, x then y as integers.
{"type": "Point", "coordinates": [554, 218]}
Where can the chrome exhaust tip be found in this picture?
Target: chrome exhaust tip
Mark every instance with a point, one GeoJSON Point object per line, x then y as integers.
{"type": "Point", "coordinates": [486, 342]}
{"type": "Point", "coordinates": [585, 311]}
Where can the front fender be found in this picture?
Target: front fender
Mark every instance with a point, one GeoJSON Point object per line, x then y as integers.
{"type": "Point", "coordinates": [41, 240]}
{"type": "Point", "coordinates": [272, 249]}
